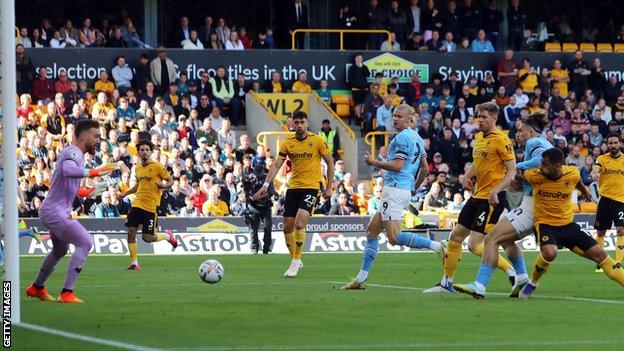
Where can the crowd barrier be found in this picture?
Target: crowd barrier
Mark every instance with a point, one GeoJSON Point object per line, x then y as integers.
{"type": "Point", "coordinates": [230, 235]}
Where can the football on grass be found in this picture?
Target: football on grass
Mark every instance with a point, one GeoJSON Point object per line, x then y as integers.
{"type": "Point", "coordinates": [211, 271]}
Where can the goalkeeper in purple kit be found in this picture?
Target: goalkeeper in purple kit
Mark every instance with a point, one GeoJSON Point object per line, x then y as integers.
{"type": "Point", "coordinates": [56, 209]}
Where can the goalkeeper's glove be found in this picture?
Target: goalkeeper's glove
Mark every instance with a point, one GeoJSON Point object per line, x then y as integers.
{"type": "Point", "coordinates": [93, 192]}
{"type": "Point", "coordinates": [101, 170]}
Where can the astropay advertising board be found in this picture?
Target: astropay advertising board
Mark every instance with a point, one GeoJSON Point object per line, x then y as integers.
{"type": "Point", "coordinates": [230, 235]}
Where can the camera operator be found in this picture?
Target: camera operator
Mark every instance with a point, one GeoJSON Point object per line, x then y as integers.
{"type": "Point", "coordinates": [258, 210]}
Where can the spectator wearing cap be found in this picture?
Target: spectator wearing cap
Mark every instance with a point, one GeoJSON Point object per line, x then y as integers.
{"type": "Point", "coordinates": [331, 138]}
{"type": "Point", "coordinates": [162, 71]}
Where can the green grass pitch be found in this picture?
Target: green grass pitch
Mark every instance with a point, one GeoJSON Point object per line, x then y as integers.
{"type": "Point", "coordinates": [167, 307]}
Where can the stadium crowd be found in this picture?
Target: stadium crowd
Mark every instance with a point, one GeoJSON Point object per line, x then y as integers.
{"type": "Point", "coordinates": [430, 25]}
{"type": "Point", "coordinates": [197, 127]}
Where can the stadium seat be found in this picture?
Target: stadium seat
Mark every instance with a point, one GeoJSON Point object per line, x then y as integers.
{"type": "Point", "coordinates": [618, 47]}
{"type": "Point", "coordinates": [343, 105]}
{"type": "Point", "coordinates": [552, 47]}
{"type": "Point", "coordinates": [604, 47]}
{"type": "Point", "coordinates": [588, 47]}
{"type": "Point", "coordinates": [569, 47]}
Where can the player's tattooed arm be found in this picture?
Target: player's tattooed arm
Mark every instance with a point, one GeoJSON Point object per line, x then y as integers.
{"type": "Point", "coordinates": [393, 166]}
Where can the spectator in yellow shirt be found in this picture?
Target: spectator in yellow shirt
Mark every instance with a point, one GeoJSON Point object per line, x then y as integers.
{"type": "Point", "coordinates": [101, 107]}
{"type": "Point", "coordinates": [560, 77]}
{"type": "Point", "coordinates": [300, 86]}
{"type": "Point", "coordinates": [105, 85]}
{"type": "Point", "coordinates": [527, 77]}
{"type": "Point", "coordinates": [396, 98]}
{"type": "Point", "coordinates": [215, 207]}
{"type": "Point", "coordinates": [361, 199]}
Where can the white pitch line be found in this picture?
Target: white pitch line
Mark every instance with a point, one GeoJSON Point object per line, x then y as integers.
{"type": "Point", "coordinates": [413, 346]}
{"type": "Point", "coordinates": [569, 298]}
{"type": "Point", "coordinates": [85, 338]}
{"type": "Point", "coordinates": [291, 282]}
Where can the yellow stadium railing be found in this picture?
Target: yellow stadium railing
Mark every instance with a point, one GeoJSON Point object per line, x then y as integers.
{"type": "Point", "coordinates": [370, 139]}
{"type": "Point", "coordinates": [350, 132]}
{"type": "Point", "coordinates": [262, 137]}
{"type": "Point", "coordinates": [339, 31]}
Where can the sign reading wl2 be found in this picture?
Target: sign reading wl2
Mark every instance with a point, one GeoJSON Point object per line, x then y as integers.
{"type": "Point", "coordinates": [284, 104]}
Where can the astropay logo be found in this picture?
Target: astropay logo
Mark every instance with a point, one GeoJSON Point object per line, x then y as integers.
{"type": "Point", "coordinates": [102, 243]}
{"type": "Point", "coordinates": [201, 243]}
{"type": "Point", "coordinates": [339, 242]}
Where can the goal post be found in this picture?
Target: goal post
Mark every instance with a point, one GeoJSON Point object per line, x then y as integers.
{"type": "Point", "coordinates": [9, 159]}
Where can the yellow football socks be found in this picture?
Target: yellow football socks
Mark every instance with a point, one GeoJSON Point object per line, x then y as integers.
{"type": "Point", "coordinates": [300, 236]}
{"type": "Point", "coordinates": [453, 256]}
{"type": "Point", "coordinates": [161, 236]}
{"type": "Point", "coordinates": [539, 269]}
{"type": "Point", "coordinates": [132, 247]}
{"type": "Point", "coordinates": [290, 242]}
{"type": "Point", "coordinates": [478, 250]}
{"type": "Point", "coordinates": [613, 270]}
{"type": "Point", "coordinates": [600, 240]}
{"type": "Point", "coordinates": [502, 262]}
{"type": "Point", "coordinates": [619, 249]}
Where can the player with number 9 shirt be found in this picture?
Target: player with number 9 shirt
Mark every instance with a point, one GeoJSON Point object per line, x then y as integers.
{"type": "Point", "coordinates": [407, 159]}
